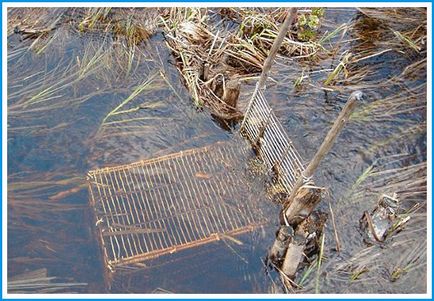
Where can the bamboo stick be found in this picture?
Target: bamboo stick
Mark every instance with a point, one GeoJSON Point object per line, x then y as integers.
{"type": "Point", "coordinates": [322, 151]}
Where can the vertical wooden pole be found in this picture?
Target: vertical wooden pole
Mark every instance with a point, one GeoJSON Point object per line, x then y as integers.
{"type": "Point", "coordinates": [289, 20]}
{"type": "Point", "coordinates": [293, 206]}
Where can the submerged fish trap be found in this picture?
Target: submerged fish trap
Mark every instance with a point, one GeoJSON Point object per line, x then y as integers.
{"type": "Point", "coordinates": [159, 206]}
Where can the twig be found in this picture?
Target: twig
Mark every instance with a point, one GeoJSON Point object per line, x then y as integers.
{"type": "Point", "coordinates": [338, 243]}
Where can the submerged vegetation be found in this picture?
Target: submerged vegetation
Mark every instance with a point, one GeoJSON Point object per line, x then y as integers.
{"type": "Point", "coordinates": [99, 86]}
{"type": "Point", "coordinates": [38, 282]}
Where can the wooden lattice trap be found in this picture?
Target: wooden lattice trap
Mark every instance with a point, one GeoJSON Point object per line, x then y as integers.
{"type": "Point", "coordinates": [158, 206]}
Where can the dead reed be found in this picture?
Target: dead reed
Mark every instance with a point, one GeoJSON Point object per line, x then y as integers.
{"type": "Point", "coordinates": [213, 60]}
{"type": "Point", "coordinates": [38, 282]}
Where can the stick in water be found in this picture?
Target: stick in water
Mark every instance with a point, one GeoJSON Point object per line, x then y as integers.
{"type": "Point", "coordinates": [289, 20]}
{"type": "Point", "coordinates": [322, 151]}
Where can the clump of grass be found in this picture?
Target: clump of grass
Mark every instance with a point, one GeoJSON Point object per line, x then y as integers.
{"type": "Point", "coordinates": [401, 29]}
{"type": "Point", "coordinates": [123, 115]}
{"type": "Point", "coordinates": [341, 67]}
{"type": "Point", "coordinates": [137, 91]}
{"type": "Point", "coordinates": [33, 22]}
{"type": "Point", "coordinates": [55, 81]}
{"type": "Point", "coordinates": [404, 250]}
{"type": "Point", "coordinates": [209, 59]}
{"type": "Point", "coordinates": [51, 188]}
{"type": "Point", "coordinates": [377, 33]}
{"type": "Point", "coordinates": [399, 18]}
{"type": "Point", "coordinates": [307, 272]}
{"type": "Point", "coordinates": [94, 17]}
{"type": "Point", "coordinates": [260, 30]}
{"type": "Point", "coordinates": [407, 41]}
{"type": "Point", "coordinates": [135, 26]}
{"type": "Point", "coordinates": [39, 197]}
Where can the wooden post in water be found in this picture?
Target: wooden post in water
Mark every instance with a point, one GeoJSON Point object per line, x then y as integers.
{"type": "Point", "coordinates": [293, 256]}
{"type": "Point", "coordinates": [300, 207]}
{"type": "Point", "coordinates": [289, 20]}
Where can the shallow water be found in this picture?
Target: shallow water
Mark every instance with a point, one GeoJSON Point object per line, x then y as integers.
{"type": "Point", "coordinates": [55, 136]}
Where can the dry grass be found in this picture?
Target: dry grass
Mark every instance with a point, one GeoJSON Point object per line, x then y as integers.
{"type": "Point", "coordinates": [209, 56]}
{"type": "Point", "coordinates": [194, 46]}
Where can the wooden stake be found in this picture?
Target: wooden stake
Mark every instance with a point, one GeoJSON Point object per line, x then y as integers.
{"type": "Point", "coordinates": [231, 92]}
{"type": "Point", "coordinates": [283, 238]}
{"type": "Point", "coordinates": [205, 72]}
{"type": "Point", "coordinates": [306, 200]}
{"type": "Point", "coordinates": [294, 206]}
{"type": "Point", "coordinates": [289, 20]}
{"type": "Point", "coordinates": [294, 256]}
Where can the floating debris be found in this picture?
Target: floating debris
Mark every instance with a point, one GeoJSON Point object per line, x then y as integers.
{"type": "Point", "coordinates": [387, 218]}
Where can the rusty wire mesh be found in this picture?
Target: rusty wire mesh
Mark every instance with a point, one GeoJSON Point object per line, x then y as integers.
{"type": "Point", "coordinates": [166, 204]}
{"type": "Point", "coordinates": [261, 126]}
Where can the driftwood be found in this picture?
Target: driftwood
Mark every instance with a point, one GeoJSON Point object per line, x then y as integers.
{"type": "Point", "coordinates": [386, 218]}
{"type": "Point", "coordinates": [228, 91]}
{"type": "Point", "coordinates": [205, 72]}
